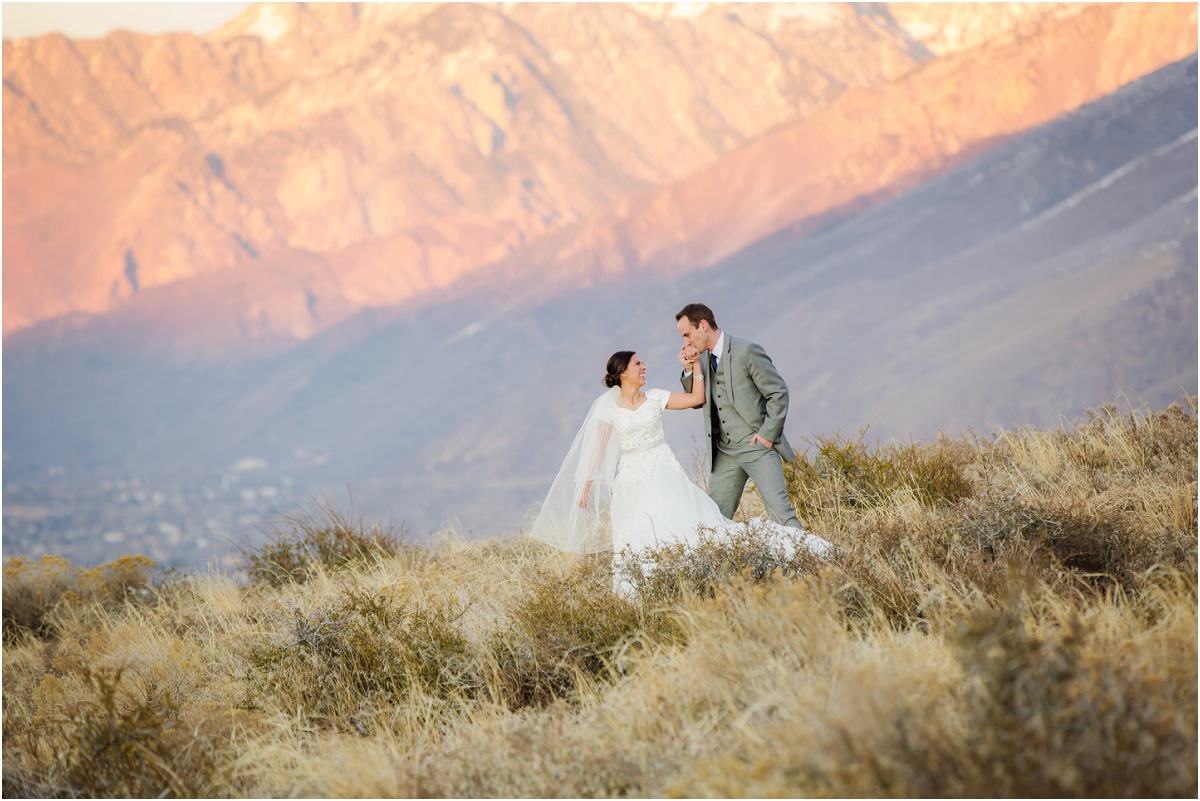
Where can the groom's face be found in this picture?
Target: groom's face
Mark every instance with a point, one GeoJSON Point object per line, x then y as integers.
{"type": "Point", "coordinates": [696, 336]}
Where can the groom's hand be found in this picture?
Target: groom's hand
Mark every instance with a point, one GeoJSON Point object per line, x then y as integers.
{"type": "Point", "coordinates": [766, 443]}
{"type": "Point", "coordinates": [687, 357]}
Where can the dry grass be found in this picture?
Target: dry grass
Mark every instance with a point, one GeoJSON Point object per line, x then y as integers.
{"type": "Point", "coordinates": [308, 544]}
{"type": "Point", "coordinates": [42, 597]}
{"type": "Point", "coordinates": [1009, 617]}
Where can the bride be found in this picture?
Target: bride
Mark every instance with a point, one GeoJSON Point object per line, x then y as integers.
{"type": "Point", "coordinates": [621, 486]}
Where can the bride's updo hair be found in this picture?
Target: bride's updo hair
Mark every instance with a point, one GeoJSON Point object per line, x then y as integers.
{"type": "Point", "coordinates": [617, 364]}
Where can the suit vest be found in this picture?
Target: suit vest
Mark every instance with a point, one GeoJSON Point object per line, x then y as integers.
{"type": "Point", "coordinates": [729, 428]}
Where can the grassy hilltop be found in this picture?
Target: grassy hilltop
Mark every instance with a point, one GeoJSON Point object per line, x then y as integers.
{"type": "Point", "coordinates": [1010, 616]}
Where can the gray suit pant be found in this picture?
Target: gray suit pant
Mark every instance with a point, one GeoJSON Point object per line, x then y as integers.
{"type": "Point", "coordinates": [765, 467]}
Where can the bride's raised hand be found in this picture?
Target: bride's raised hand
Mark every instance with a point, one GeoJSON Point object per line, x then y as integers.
{"type": "Point", "coordinates": [687, 357]}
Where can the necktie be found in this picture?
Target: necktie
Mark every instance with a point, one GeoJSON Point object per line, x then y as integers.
{"type": "Point", "coordinates": [712, 407]}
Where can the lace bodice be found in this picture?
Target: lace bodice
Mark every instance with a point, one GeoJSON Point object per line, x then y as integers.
{"type": "Point", "coordinates": [638, 428]}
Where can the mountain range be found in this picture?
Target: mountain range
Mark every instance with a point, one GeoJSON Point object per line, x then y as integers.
{"type": "Point", "coordinates": [390, 246]}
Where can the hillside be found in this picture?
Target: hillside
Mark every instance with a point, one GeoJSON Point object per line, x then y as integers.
{"type": "Point", "coordinates": [1013, 618]}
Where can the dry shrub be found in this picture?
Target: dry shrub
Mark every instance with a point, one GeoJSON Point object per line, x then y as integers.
{"type": "Point", "coordinates": [567, 626]}
{"type": "Point", "coordinates": [883, 572]}
{"type": "Point", "coordinates": [37, 594]}
{"type": "Point", "coordinates": [662, 574]}
{"type": "Point", "coordinates": [307, 544]}
{"type": "Point", "coordinates": [844, 472]}
{"type": "Point", "coordinates": [31, 592]}
{"type": "Point", "coordinates": [1115, 495]}
{"type": "Point", "coordinates": [557, 752]}
{"type": "Point", "coordinates": [1100, 503]}
{"type": "Point", "coordinates": [1052, 537]}
{"type": "Point", "coordinates": [1041, 696]}
{"type": "Point", "coordinates": [1051, 704]}
{"type": "Point", "coordinates": [1054, 718]}
{"type": "Point", "coordinates": [1113, 440]}
{"type": "Point", "coordinates": [363, 652]}
{"type": "Point", "coordinates": [112, 744]}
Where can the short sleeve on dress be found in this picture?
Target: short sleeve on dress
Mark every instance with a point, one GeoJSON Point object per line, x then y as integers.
{"type": "Point", "coordinates": [659, 396]}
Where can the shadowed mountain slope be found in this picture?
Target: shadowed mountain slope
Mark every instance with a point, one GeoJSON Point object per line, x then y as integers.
{"type": "Point", "coordinates": [1032, 283]}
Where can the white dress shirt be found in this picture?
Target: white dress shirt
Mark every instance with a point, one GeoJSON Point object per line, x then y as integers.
{"type": "Point", "coordinates": [719, 348]}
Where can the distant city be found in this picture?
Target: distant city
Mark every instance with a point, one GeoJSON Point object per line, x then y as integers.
{"type": "Point", "coordinates": [196, 519]}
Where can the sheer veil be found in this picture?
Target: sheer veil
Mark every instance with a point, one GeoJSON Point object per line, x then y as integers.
{"type": "Point", "coordinates": [593, 456]}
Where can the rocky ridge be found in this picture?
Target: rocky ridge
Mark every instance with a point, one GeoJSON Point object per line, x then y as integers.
{"type": "Point", "coordinates": [868, 145]}
{"type": "Point", "coordinates": [306, 161]}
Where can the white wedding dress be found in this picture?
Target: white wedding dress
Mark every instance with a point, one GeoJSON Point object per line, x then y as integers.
{"type": "Point", "coordinates": [653, 500]}
{"type": "Point", "coordinates": [637, 480]}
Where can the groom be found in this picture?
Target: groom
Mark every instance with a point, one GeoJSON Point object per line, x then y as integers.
{"type": "Point", "coordinates": [747, 402]}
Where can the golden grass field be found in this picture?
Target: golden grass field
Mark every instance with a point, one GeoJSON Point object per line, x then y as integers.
{"type": "Point", "coordinates": [1007, 616]}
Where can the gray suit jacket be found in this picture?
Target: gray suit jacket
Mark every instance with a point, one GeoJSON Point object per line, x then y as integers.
{"type": "Point", "coordinates": [759, 393]}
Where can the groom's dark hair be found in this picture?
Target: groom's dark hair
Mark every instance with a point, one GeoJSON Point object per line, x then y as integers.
{"type": "Point", "coordinates": [695, 312]}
